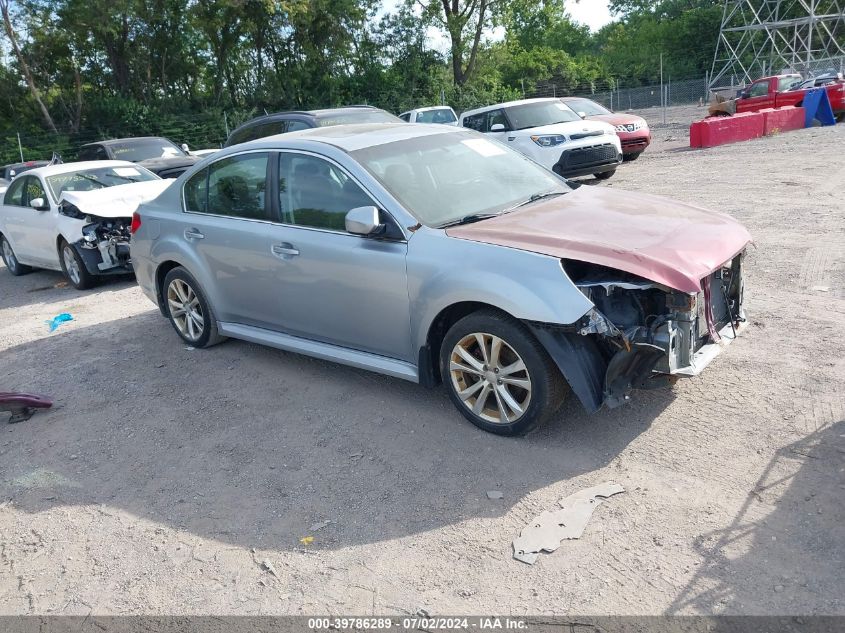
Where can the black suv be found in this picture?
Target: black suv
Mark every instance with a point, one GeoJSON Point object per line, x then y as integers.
{"type": "Point", "coordinates": [281, 122]}
{"type": "Point", "coordinates": [162, 157]}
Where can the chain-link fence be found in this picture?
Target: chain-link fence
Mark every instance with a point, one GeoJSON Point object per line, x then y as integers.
{"type": "Point", "coordinates": [197, 131]}
{"type": "Point", "coordinates": [616, 97]}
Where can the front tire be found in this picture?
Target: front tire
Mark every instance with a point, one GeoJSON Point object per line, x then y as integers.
{"type": "Point", "coordinates": [11, 260]}
{"type": "Point", "coordinates": [74, 268]}
{"type": "Point", "coordinates": [498, 375]}
{"type": "Point", "coordinates": [188, 310]}
{"type": "Point", "coordinates": [604, 175]}
{"type": "Point", "coordinates": [631, 157]}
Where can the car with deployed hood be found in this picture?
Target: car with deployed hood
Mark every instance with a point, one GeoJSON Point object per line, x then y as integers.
{"type": "Point", "coordinates": [74, 218]}
{"type": "Point", "coordinates": [632, 130]}
{"type": "Point", "coordinates": [435, 254]}
{"type": "Point", "coordinates": [159, 155]}
{"type": "Point", "coordinates": [552, 134]}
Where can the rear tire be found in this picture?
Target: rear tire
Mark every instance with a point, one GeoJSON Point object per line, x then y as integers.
{"type": "Point", "coordinates": [498, 375]}
{"type": "Point", "coordinates": [604, 175]}
{"type": "Point", "coordinates": [11, 260]}
{"type": "Point", "coordinates": [74, 268]}
{"type": "Point", "coordinates": [188, 310]}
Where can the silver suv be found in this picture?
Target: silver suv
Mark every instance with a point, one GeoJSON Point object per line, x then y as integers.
{"type": "Point", "coordinates": [431, 253]}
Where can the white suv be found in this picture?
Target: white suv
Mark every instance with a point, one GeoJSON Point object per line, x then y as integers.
{"type": "Point", "coordinates": [550, 133]}
{"type": "Point", "coordinates": [434, 114]}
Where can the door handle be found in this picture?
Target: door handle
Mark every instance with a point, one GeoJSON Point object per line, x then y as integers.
{"type": "Point", "coordinates": [284, 250]}
{"type": "Point", "coordinates": [193, 234]}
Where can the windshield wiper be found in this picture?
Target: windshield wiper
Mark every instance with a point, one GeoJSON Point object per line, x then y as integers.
{"type": "Point", "coordinates": [468, 219]}
{"type": "Point", "coordinates": [541, 196]}
{"type": "Point", "coordinates": [538, 196]}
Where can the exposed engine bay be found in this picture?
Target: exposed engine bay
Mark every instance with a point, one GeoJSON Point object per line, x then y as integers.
{"type": "Point", "coordinates": [107, 238]}
{"type": "Point", "coordinates": [643, 335]}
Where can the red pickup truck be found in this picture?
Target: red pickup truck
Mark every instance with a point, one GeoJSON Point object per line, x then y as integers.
{"type": "Point", "coordinates": [778, 91]}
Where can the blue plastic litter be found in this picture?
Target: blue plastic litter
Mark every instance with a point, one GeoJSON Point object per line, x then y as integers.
{"type": "Point", "coordinates": [57, 320]}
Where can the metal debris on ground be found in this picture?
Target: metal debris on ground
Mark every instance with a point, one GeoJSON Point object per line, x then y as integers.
{"type": "Point", "coordinates": [546, 531]}
{"type": "Point", "coordinates": [268, 566]}
{"type": "Point", "coordinates": [319, 526]}
{"type": "Point", "coordinates": [494, 494]}
{"type": "Point", "coordinates": [57, 320]}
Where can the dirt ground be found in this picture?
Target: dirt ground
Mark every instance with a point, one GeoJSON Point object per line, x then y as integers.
{"type": "Point", "coordinates": [165, 477]}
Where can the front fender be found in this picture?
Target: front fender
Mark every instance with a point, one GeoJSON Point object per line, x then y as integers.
{"type": "Point", "coordinates": [443, 271]}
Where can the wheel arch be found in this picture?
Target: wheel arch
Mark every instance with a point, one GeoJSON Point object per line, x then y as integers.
{"type": "Point", "coordinates": [161, 272]}
{"type": "Point", "coordinates": [429, 354]}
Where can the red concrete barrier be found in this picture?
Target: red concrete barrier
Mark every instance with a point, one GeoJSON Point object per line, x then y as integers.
{"type": "Point", "coordinates": [726, 129]}
{"type": "Point", "coordinates": [776, 120]}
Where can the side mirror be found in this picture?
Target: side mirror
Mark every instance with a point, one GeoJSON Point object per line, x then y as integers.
{"type": "Point", "coordinates": [185, 148]}
{"type": "Point", "coordinates": [583, 115]}
{"type": "Point", "coordinates": [363, 221]}
{"type": "Point", "coordinates": [39, 204]}
{"type": "Point", "coordinates": [497, 127]}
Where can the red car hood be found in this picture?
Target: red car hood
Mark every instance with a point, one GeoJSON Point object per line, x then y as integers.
{"type": "Point", "coordinates": [667, 242]}
{"type": "Point", "coordinates": [616, 118]}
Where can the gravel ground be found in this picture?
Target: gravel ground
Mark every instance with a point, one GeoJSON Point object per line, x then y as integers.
{"type": "Point", "coordinates": [165, 477]}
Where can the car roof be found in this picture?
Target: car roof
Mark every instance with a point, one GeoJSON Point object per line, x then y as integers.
{"type": "Point", "coordinates": [508, 104]}
{"type": "Point", "coordinates": [311, 113]}
{"type": "Point", "coordinates": [114, 141]}
{"type": "Point", "coordinates": [66, 168]}
{"type": "Point", "coordinates": [429, 108]}
{"type": "Point", "coordinates": [352, 137]}
{"type": "Point", "coordinates": [26, 163]}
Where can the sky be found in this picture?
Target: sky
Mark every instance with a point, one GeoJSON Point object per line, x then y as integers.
{"type": "Point", "coordinates": [593, 13]}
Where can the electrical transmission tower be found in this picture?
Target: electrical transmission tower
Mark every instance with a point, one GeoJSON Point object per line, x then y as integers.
{"type": "Point", "coordinates": [764, 37]}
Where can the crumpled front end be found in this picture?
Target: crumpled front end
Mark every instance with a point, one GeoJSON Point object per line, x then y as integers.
{"type": "Point", "coordinates": [104, 246]}
{"type": "Point", "coordinates": [641, 334]}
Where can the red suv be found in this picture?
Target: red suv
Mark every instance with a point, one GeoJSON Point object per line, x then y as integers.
{"type": "Point", "coordinates": [632, 130]}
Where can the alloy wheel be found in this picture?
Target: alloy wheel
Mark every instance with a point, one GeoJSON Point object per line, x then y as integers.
{"type": "Point", "coordinates": [71, 265]}
{"type": "Point", "coordinates": [185, 309]}
{"type": "Point", "coordinates": [9, 256]}
{"type": "Point", "coordinates": [490, 378]}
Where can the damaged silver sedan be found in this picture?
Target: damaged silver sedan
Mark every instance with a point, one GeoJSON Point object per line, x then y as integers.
{"type": "Point", "coordinates": [75, 218]}
{"type": "Point", "coordinates": [435, 255]}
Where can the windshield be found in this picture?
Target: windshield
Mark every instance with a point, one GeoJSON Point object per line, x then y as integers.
{"type": "Point", "coordinates": [590, 108]}
{"type": "Point", "coordinates": [137, 150]}
{"type": "Point", "coordinates": [360, 116]}
{"type": "Point", "coordinates": [441, 115]}
{"type": "Point", "coordinates": [442, 178]}
{"type": "Point", "coordinates": [538, 114]}
{"type": "Point", "coordinates": [98, 178]}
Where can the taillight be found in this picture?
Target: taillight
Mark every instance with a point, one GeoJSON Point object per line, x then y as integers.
{"type": "Point", "coordinates": [136, 223]}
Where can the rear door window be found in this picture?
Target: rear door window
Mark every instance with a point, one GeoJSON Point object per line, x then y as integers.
{"type": "Point", "coordinates": [476, 122]}
{"type": "Point", "coordinates": [235, 186]}
{"type": "Point", "coordinates": [295, 126]}
{"type": "Point", "coordinates": [14, 194]}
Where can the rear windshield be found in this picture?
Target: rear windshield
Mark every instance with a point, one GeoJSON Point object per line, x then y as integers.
{"type": "Point", "coordinates": [362, 116]}
{"type": "Point", "coordinates": [441, 115]}
{"type": "Point", "coordinates": [98, 178]}
{"type": "Point", "coordinates": [137, 150]}
{"type": "Point", "coordinates": [531, 115]}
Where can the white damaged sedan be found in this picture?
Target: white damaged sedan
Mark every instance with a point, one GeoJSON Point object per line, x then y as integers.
{"type": "Point", "coordinates": [75, 218]}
